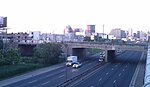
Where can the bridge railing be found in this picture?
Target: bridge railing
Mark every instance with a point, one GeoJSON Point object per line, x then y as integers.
{"type": "Point", "coordinates": [109, 43]}
{"type": "Point", "coordinates": [147, 72]}
{"type": "Point", "coordinates": [125, 46]}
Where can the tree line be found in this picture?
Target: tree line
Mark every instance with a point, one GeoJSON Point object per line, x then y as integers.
{"type": "Point", "coordinates": [45, 53]}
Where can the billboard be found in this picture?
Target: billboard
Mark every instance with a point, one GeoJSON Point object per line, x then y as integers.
{"type": "Point", "coordinates": [3, 22]}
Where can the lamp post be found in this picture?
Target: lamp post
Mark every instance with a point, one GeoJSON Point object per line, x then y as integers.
{"type": "Point", "coordinates": [66, 46]}
{"type": "Point", "coordinates": [103, 31]}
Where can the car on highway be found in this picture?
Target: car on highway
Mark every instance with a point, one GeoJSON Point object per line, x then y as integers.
{"type": "Point", "coordinates": [101, 59]}
{"type": "Point", "coordinates": [76, 65]}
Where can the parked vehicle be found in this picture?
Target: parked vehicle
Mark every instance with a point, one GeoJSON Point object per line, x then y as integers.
{"type": "Point", "coordinates": [71, 60]}
{"type": "Point", "coordinates": [77, 65]}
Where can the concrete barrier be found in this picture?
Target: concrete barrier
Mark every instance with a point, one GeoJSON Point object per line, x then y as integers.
{"type": "Point", "coordinates": [147, 72]}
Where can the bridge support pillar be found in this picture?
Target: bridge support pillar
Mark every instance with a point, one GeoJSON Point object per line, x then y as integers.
{"type": "Point", "coordinates": [109, 55]}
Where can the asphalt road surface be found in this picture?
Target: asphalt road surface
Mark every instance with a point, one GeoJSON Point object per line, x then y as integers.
{"type": "Point", "coordinates": [55, 77]}
{"type": "Point", "coordinates": [116, 74]}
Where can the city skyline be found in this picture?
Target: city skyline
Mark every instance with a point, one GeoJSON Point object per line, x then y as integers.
{"type": "Point", "coordinates": [53, 16]}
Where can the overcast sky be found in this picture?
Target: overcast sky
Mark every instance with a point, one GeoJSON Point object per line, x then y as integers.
{"type": "Point", "coordinates": [53, 15]}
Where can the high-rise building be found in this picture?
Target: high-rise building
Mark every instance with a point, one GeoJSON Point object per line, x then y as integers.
{"type": "Point", "coordinates": [134, 35]}
{"type": "Point", "coordinates": [123, 34]}
{"type": "Point", "coordinates": [142, 36]}
{"type": "Point", "coordinates": [68, 32]}
{"type": "Point", "coordinates": [68, 29]}
{"type": "Point", "coordinates": [138, 34]}
{"type": "Point", "coordinates": [130, 34]}
{"type": "Point", "coordinates": [90, 30]}
{"type": "Point", "coordinates": [3, 22]}
{"type": "Point", "coordinates": [118, 33]}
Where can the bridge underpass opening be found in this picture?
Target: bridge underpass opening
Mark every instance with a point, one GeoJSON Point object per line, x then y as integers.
{"type": "Point", "coordinates": [109, 55]}
{"type": "Point", "coordinates": [87, 53]}
{"type": "Point", "coordinates": [79, 52]}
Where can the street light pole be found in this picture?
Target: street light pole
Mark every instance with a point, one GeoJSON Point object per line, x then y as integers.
{"type": "Point", "coordinates": [103, 30]}
{"type": "Point", "coordinates": [66, 46]}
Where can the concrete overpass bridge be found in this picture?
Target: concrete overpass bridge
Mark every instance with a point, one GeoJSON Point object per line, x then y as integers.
{"type": "Point", "coordinates": [79, 49]}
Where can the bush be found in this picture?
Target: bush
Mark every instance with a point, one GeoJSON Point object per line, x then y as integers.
{"type": "Point", "coordinates": [28, 60]}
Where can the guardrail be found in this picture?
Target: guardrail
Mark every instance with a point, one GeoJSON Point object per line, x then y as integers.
{"type": "Point", "coordinates": [147, 72]}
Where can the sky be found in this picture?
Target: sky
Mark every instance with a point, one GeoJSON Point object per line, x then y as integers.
{"type": "Point", "coordinates": [52, 16]}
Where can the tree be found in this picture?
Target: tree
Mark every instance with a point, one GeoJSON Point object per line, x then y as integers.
{"type": "Point", "coordinates": [1, 44]}
{"type": "Point", "coordinates": [2, 59]}
{"type": "Point", "coordinates": [47, 53]}
{"type": "Point", "coordinates": [12, 56]}
{"type": "Point", "coordinates": [87, 38]}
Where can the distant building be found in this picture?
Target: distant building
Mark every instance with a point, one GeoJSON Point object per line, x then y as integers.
{"type": "Point", "coordinates": [123, 34]}
{"type": "Point", "coordinates": [134, 35]}
{"type": "Point", "coordinates": [35, 35]}
{"type": "Point", "coordinates": [143, 36]}
{"type": "Point", "coordinates": [102, 35]}
{"type": "Point", "coordinates": [138, 34]}
{"type": "Point", "coordinates": [21, 37]}
{"type": "Point", "coordinates": [69, 33]}
{"type": "Point", "coordinates": [3, 22]}
{"type": "Point", "coordinates": [130, 32]}
{"type": "Point", "coordinates": [68, 29]}
{"type": "Point", "coordinates": [47, 37]}
{"type": "Point", "coordinates": [90, 30]}
{"type": "Point", "coordinates": [148, 36]}
{"type": "Point", "coordinates": [118, 33]}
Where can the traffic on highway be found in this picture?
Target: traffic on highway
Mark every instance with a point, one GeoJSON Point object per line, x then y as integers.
{"type": "Point", "coordinates": [89, 73]}
{"type": "Point", "coordinates": [57, 76]}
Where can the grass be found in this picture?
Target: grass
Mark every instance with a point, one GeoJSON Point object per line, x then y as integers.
{"type": "Point", "coordinates": [12, 70]}
{"type": "Point", "coordinates": [8, 71]}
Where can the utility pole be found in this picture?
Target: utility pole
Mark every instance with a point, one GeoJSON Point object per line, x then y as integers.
{"type": "Point", "coordinates": [103, 30]}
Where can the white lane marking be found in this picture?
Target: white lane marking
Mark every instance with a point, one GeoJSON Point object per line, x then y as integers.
{"type": "Point", "coordinates": [119, 74]}
{"type": "Point", "coordinates": [61, 76]}
{"type": "Point", "coordinates": [32, 81]}
{"type": "Point", "coordinates": [100, 79]}
{"type": "Point", "coordinates": [114, 81]}
{"type": "Point", "coordinates": [123, 70]}
{"type": "Point", "coordinates": [49, 75]}
{"type": "Point", "coordinates": [107, 73]}
{"type": "Point", "coordinates": [45, 83]}
{"type": "Point", "coordinates": [112, 69]}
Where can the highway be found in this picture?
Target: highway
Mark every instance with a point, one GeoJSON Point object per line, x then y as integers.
{"type": "Point", "coordinates": [55, 77]}
{"type": "Point", "coordinates": [116, 74]}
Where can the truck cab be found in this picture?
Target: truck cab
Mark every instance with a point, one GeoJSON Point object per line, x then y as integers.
{"type": "Point", "coordinates": [71, 60]}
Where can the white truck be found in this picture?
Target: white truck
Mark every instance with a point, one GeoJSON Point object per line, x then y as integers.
{"type": "Point", "coordinates": [71, 60]}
